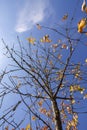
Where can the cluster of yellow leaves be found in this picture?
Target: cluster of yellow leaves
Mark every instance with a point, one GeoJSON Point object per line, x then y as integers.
{"type": "Point", "coordinates": [63, 46]}
{"type": "Point", "coordinates": [31, 40]}
{"type": "Point", "coordinates": [59, 75]}
{"type": "Point", "coordinates": [28, 127]}
{"type": "Point", "coordinates": [54, 46]}
{"type": "Point", "coordinates": [64, 116]}
{"type": "Point", "coordinates": [76, 88]}
{"type": "Point", "coordinates": [84, 7]}
{"type": "Point", "coordinates": [65, 108]}
{"type": "Point", "coordinates": [76, 72]}
{"type": "Point", "coordinates": [43, 110]}
{"type": "Point", "coordinates": [82, 24]}
{"type": "Point", "coordinates": [48, 113]}
{"type": "Point", "coordinates": [73, 123]}
{"type": "Point", "coordinates": [45, 39]}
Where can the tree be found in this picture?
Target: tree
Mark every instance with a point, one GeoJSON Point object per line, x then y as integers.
{"type": "Point", "coordinates": [49, 83]}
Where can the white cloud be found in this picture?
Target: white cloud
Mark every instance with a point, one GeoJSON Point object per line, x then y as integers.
{"type": "Point", "coordinates": [34, 11]}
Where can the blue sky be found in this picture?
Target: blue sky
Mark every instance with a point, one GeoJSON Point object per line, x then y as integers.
{"type": "Point", "coordinates": [19, 17]}
{"type": "Point", "coordinates": [22, 15]}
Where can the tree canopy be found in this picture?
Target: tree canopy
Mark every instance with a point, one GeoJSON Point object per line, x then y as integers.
{"type": "Point", "coordinates": [47, 78]}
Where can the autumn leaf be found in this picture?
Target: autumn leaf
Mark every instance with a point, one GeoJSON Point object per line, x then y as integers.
{"type": "Point", "coordinates": [18, 85]}
{"type": "Point", "coordinates": [69, 109]}
{"type": "Point", "coordinates": [28, 127]}
{"type": "Point", "coordinates": [64, 46]}
{"type": "Point", "coordinates": [76, 75]}
{"type": "Point", "coordinates": [82, 24]}
{"type": "Point", "coordinates": [84, 7]}
{"type": "Point", "coordinates": [38, 26]}
{"type": "Point", "coordinates": [59, 56]}
{"type": "Point", "coordinates": [48, 113]}
{"type": "Point", "coordinates": [55, 46]}
{"type": "Point", "coordinates": [43, 110]}
{"type": "Point", "coordinates": [81, 90]}
{"type": "Point", "coordinates": [31, 40]}
{"type": "Point", "coordinates": [45, 128]}
{"type": "Point", "coordinates": [6, 128]}
{"type": "Point", "coordinates": [85, 96]}
{"type": "Point", "coordinates": [71, 89]}
{"type": "Point", "coordinates": [76, 88]}
{"type": "Point", "coordinates": [50, 63]}
{"type": "Point", "coordinates": [40, 103]}
{"type": "Point", "coordinates": [33, 118]}
{"type": "Point", "coordinates": [46, 39]}
{"type": "Point", "coordinates": [73, 101]}
{"type": "Point", "coordinates": [65, 17]}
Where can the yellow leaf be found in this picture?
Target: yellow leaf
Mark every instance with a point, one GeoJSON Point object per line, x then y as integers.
{"type": "Point", "coordinates": [46, 39]}
{"type": "Point", "coordinates": [28, 127]}
{"type": "Point", "coordinates": [76, 75]}
{"type": "Point", "coordinates": [85, 96]}
{"type": "Point", "coordinates": [31, 40]}
{"type": "Point", "coordinates": [71, 89]}
{"type": "Point", "coordinates": [82, 24]}
{"type": "Point", "coordinates": [84, 6]}
{"type": "Point", "coordinates": [33, 117]}
{"type": "Point", "coordinates": [40, 103]}
{"type": "Point", "coordinates": [43, 110]}
{"type": "Point", "coordinates": [65, 17]}
{"type": "Point", "coordinates": [59, 56]}
{"type": "Point", "coordinates": [81, 90]}
{"type": "Point", "coordinates": [73, 101]}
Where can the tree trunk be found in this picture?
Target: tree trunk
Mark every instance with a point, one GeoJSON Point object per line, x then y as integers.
{"type": "Point", "coordinates": [57, 118]}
